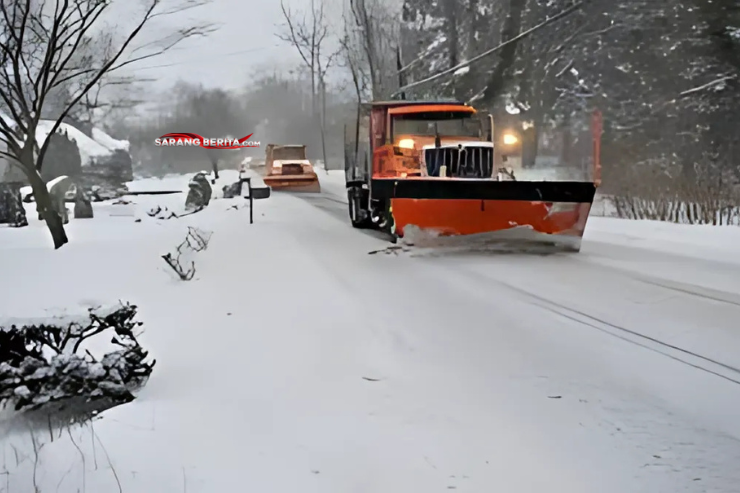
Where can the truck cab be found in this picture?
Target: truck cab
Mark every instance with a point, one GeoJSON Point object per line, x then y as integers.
{"type": "Point", "coordinates": [420, 139]}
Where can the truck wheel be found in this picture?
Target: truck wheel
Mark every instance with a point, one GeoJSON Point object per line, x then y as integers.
{"type": "Point", "coordinates": [384, 221]}
{"type": "Point", "coordinates": [390, 225]}
{"type": "Point", "coordinates": [359, 216]}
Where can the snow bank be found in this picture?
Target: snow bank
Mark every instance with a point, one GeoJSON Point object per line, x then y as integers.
{"type": "Point", "coordinates": [179, 183]}
{"type": "Point", "coordinates": [698, 241]}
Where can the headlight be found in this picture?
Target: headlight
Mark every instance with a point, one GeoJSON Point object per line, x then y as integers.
{"type": "Point", "coordinates": [510, 139]}
{"type": "Point", "coordinates": [406, 144]}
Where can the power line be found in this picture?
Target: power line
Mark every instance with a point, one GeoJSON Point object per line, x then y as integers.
{"type": "Point", "coordinates": [209, 59]}
{"type": "Point", "coordinates": [524, 34]}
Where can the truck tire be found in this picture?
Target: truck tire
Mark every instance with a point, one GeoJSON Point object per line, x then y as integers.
{"type": "Point", "coordinates": [390, 225]}
{"type": "Point", "coordinates": [358, 215]}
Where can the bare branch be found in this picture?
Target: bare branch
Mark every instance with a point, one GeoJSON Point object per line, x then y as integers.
{"type": "Point", "coordinates": [708, 85]}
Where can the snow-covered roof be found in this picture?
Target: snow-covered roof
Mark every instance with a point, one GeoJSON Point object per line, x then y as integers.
{"type": "Point", "coordinates": [101, 145]}
{"type": "Point", "coordinates": [89, 149]}
{"type": "Point", "coordinates": [108, 141]}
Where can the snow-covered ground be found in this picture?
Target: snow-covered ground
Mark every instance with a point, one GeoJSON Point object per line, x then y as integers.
{"type": "Point", "coordinates": [295, 361]}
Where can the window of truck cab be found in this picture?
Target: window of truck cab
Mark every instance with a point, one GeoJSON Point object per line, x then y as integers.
{"type": "Point", "coordinates": [447, 123]}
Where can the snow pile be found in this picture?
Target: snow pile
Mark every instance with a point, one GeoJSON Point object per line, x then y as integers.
{"type": "Point", "coordinates": [520, 239]}
{"type": "Point", "coordinates": [698, 241]}
{"type": "Point", "coordinates": [90, 150]}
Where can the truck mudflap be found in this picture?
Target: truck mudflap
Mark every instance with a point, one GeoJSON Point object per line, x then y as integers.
{"type": "Point", "coordinates": [452, 207]}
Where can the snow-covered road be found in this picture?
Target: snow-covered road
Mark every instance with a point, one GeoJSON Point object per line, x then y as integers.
{"type": "Point", "coordinates": [613, 360]}
{"type": "Point", "coordinates": [299, 362]}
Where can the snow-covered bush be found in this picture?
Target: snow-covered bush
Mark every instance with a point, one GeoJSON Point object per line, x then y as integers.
{"type": "Point", "coordinates": [181, 261]}
{"type": "Point", "coordinates": [45, 366]}
{"type": "Point", "coordinates": [160, 212]}
{"type": "Point", "coordinates": [200, 193]}
{"type": "Point", "coordinates": [11, 206]}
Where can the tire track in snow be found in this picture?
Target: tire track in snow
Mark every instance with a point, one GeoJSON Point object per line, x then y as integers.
{"type": "Point", "coordinates": [338, 210]}
{"type": "Point", "coordinates": [330, 205]}
{"type": "Point", "coordinates": [689, 289]}
{"type": "Point", "coordinates": [703, 363]}
{"type": "Point", "coordinates": [671, 285]}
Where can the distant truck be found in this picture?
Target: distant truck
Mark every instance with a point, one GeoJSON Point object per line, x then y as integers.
{"type": "Point", "coordinates": [288, 169]}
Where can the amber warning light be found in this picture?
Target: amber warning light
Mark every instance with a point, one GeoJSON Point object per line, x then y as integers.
{"type": "Point", "coordinates": [195, 140]}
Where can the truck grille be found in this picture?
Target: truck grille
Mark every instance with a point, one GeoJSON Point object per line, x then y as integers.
{"type": "Point", "coordinates": [468, 162]}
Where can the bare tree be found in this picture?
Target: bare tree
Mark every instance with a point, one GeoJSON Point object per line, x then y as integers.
{"type": "Point", "coordinates": [214, 111]}
{"type": "Point", "coordinates": [113, 95]}
{"type": "Point", "coordinates": [193, 108]}
{"type": "Point", "coordinates": [353, 59]}
{"type": "Point", "coordinates": [110, 94]}
{"type": "Point", "coordinates": [309, 33]}
{"type": "Point", "coordinates": [373, 27]}
{"type": "Point", "coordinates": [44, 45]}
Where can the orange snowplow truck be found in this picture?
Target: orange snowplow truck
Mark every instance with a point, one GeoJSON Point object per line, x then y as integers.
{"type": "Point", "coordinates": [288, 169]}
{"type": "Point", "coordinates": [440, 166]}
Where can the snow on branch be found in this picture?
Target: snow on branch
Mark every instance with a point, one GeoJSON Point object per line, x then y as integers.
{"type": "Point", "coordinates": [709, 85]}
{"type": "Point", "coordinates": [561, 15]}
{"type": "Point", "coordinates": [47, 364]}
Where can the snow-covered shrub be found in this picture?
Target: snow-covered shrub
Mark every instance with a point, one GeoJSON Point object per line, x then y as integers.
{"type": "Point", "coordinates": [200, 193]}
{"type": "Point", "coordinates": [44, 366]}
{"type": "Point", "coordinates": [159, 212]}
{"type": "Point", "coordinates": [181, 261]}
{"type": "Point", "coordinates": [11, 205]}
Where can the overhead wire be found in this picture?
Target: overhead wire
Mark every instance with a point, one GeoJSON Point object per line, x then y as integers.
{"type": "Point", "coordinates": [208, 59]}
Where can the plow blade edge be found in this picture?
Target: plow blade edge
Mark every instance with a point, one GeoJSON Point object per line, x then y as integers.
{"type": "Point", "coordinates": [297, 183]}
{"type": "Point", "coordinates": [452, 207]}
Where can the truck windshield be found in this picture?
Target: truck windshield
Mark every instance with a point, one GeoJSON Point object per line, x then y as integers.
{"type": "Point", "coordinates": [448, 123]}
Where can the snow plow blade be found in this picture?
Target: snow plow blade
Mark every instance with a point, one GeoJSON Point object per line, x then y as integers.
{"type": "Point", "coordinates": [287, 169]}
{"type": "Point", "coordinates": [458, 207]}
{"type": "Point", "coordinates": [306, 183]}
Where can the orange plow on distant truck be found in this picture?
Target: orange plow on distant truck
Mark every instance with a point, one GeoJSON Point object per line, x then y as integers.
{"type": "Point", "coordinates": [288, 169]}
{"type": "Point", "coordinates": [440, 167]}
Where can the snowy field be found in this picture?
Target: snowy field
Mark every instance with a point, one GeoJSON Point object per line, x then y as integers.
{"type": "Point", "coordinates": [296, 362]}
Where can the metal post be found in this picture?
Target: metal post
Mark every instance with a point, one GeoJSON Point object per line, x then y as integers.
{"type": "Point", "coordinates": [251, 201]}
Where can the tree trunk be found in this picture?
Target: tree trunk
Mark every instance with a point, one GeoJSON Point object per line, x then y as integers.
{"type": "Point", "coordinates": [507, 56]}
{"type": "Point", "coordinates": [46, 209]}
{"type": "Point", "coordinates": [214, 167]}
{"type": "Point", "coordinates": [451, 7]}
{"type": "Point", "coordinates": [323, 124]}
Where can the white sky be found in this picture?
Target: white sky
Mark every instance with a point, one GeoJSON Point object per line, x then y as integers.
{"type": "Point", "coordinates": [244, 44]}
